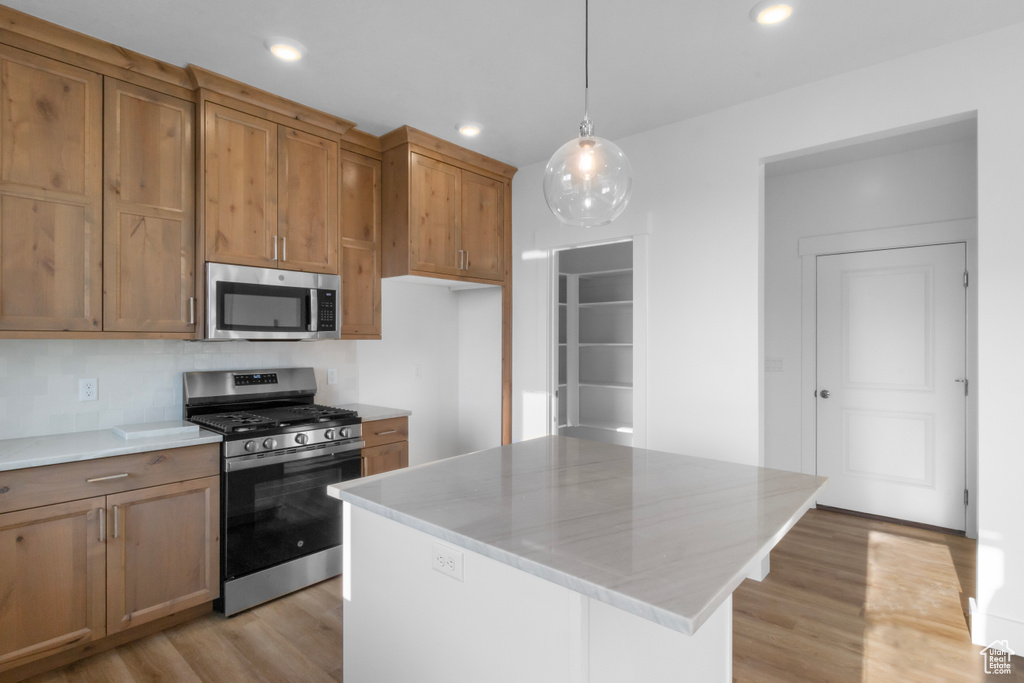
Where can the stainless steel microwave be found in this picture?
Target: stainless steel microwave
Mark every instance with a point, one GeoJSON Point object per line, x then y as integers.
{"type": "Point", "coordinates": [265, 303]}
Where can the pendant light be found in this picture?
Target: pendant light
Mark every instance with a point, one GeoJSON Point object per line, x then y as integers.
{"type": "Point", "coordinates": [588, 180]}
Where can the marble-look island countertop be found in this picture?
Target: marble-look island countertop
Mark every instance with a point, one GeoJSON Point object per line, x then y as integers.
{"type": "Point", "coordinates": [373, 413]}
{"type": "Point", "coordinates": [667, 537]}
{"type": "Point", "coordinates": [53, 449]}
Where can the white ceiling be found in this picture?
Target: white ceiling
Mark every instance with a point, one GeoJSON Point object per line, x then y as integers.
{"type": "Point", "coordinates": [517, 66]}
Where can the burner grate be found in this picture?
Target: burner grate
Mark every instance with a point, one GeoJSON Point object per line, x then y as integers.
{"type": "Point", "coordinates": [269, 418]}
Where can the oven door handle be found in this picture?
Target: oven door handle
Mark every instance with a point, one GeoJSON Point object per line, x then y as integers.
{"type": "Point", "coordinates": [246, 462]}
{"type": "Point", "coordinates": [314, 310]}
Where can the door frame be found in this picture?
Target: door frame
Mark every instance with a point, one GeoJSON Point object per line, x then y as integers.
{"type": "Point", "coordinates": [546, 245]}
{"type": "Point", "coordinates": [922, 235]}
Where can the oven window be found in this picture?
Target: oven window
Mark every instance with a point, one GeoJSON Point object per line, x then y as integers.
{"type": "Point", "coordinates": [244, 306]}
{"type": "Point", "coordinates": [278, 513]}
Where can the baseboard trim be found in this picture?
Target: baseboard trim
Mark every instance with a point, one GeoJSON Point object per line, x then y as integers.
{"type": "Point", "coordinates": [892, 520]}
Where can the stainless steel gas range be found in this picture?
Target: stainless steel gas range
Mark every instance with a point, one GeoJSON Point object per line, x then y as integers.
{"type": "Point", "coordinates": [280, 531]}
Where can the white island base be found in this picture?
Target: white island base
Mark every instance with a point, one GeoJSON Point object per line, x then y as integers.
{"type": "Point", "coordinates": [406, 621]}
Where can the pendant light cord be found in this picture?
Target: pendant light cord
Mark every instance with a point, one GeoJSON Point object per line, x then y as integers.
{"type": "Point", "coordinates": [586, 60]}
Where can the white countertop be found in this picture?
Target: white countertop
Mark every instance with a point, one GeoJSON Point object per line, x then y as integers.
{"type": "Point", "coordinates": [667, 537]}
{"type": "Point", "coordinates": [53, 449]}
{"type": "Point", "coordinates": [373, 413]}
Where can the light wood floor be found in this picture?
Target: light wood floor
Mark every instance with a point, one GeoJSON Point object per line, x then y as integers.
{"type": "Point", "coordinates": [852, 599]}
{"type": "Point", "coordinates": [847, 599]}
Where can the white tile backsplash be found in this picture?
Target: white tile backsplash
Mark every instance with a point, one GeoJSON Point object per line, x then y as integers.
{"type": "Point", "coordinates": [140, 380]}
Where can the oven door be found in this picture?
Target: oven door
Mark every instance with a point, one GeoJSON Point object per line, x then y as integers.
{"type": "Point", "coordinates": [276, 508]}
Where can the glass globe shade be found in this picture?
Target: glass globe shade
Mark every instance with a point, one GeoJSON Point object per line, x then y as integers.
{"type": "Point", "coordinates": [588, 182]}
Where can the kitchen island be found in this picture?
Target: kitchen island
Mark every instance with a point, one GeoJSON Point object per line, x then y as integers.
{"type": "Point", "coordinates": [557, 559]}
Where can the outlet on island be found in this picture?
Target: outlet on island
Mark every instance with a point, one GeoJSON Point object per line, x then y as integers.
{"type": "Point", "coordinates": [448, 561]}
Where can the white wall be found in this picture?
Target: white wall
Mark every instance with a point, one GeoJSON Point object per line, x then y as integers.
{"type": "Point", "coordinates": [922, 186]}
{"type": "Point", "coordinates": [140, 381]}
{"type": "Point", "coordinates": [479, 357]}
{"type": "Point", "coordinates": [698, 190]}
{"type": "Point", "coordinates": [415, 365]}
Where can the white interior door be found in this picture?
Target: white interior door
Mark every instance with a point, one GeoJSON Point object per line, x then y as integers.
{"type": "Point", "coordinates": [891, 406]}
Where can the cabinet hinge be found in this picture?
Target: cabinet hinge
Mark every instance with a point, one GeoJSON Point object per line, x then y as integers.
{"type": "Point", "coordinates": [965, 496]}
{"type": "Point", "coordinates": [967, 278]}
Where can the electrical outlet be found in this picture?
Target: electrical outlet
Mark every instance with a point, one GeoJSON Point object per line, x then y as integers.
{"type": "Point", "coordinates": [87, 389]}
{"type": "Point", "coordinates": [332, 375]}
{"type": "Point", "coordinates": [447, 560]}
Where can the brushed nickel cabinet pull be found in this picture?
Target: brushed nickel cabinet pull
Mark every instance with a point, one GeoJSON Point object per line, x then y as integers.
{"type": "Point", "coordinates": [103, 517]}
{"type": "Point", "coordinates": [191, 310]}
{"type": "Point", "coordinates": [275, 248]}
{"type": "Point", "coordinates": [284, 248]}
{"type": "Point", "coordinates": [112, 476]}
{"type": "Point", "coordinates": [390, 431]}
{"type": "Point", "coordinates": [115, 521]}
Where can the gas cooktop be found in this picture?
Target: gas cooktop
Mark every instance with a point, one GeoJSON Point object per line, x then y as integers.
{"type": "Point", "coordinates": [257, 420]}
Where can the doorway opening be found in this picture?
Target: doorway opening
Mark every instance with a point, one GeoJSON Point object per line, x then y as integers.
{"type": "Point", "coordinates": [593, 355]}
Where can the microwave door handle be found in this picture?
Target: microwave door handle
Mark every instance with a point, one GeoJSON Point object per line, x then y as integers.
{"type": "Point", "coordinates": [314, 310]}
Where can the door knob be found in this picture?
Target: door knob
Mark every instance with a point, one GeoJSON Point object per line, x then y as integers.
{"type": "Point", "coordinates": [824, 393]}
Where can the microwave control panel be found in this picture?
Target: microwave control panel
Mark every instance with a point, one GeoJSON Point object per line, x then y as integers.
{"type": "Point", "coordinates": [327, 303]}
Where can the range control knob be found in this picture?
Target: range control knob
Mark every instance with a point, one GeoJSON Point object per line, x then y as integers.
{"type": "Point", "coordinates": [250, 446]}
{"type": "Point", "coordinates": [301, 438]}
{"type": "Point", "coordinates": [345, 433]}
{"type": "Point", "coordinates": [329, 434]}
{"type": "Point", "coordinates": [269, 443]}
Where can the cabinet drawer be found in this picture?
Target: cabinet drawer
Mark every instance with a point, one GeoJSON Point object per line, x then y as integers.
{"type": "Point", "coordinates": [35, 486]}
{"type": "Point", "coordinates": [385, 458]}
{"type": "Point", "coordinates": [385, 431]}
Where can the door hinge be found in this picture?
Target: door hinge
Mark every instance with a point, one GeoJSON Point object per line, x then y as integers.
{"type": "Point", "coordinates": [967, 278]}
{"type": "Point", "coordinates": [965, 497]}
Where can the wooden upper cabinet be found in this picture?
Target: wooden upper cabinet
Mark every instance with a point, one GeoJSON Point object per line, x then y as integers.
{"type": "Point", "coordinates": [51, 132]}
{"type": "Point", "coordinates": [360, 246]}
{"type": "Point", "coordinates": [271, 193]}
{"type": "Point", "coordinates": [445, 209]}
{"type": "Point", "coordinates": [241, 176]}
{"type": "Point", "coordinates": [483, 226]}
{"type": "Point", "coordinates": [149, 211]}
{"type": "Point", "coordinates": [307, 207]}
{"type": "Point", "coordinates": [52, 579]}
{"type": "Point", "coordinates": [434, 214]}
{"type": "Point", "coordinates": [163, 550]}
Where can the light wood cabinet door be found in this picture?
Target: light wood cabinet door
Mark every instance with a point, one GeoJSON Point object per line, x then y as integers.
{"type": "Point", "coordinates": [483, 226]}
{"type": "Point", "coordinates": [360, 247]}
{"type": "Point", "coordinates": [434, 215]}
{"type": "Point", "coordinates": [52, 565]}
{"type": "Point", "coordinates": [385, 458]}
{"type": "Point", "coordinates": [51, 156]}
{"type": "Point", "coordinates": [163, 549]}
{"type": "Point", "coordinates": [307, 202]}
{"type": "Point", "coordinates": [149, 211]}
{"type": "Point", "coordinates": [241, 188]}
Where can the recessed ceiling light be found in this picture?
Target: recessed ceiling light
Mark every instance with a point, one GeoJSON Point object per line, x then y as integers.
{"type": "Point", "coordinates": [470, 130]}
{"type": "Point", "coordinates": [287, 49]}
{"type": "Point", "coordinates": [769, 12]}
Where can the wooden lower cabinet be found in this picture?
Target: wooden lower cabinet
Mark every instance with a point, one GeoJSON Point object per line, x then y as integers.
{"type": "Point", "coordinates": [52, 580]}
{"type": "Point", "coordinates": [162, 552]}
{"type": "Point", "coordinates": [379, 459]}
{"type": "Point", "coordinates": [76, 577]}
{"type": "Point", "coordinates": [387, 445]}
